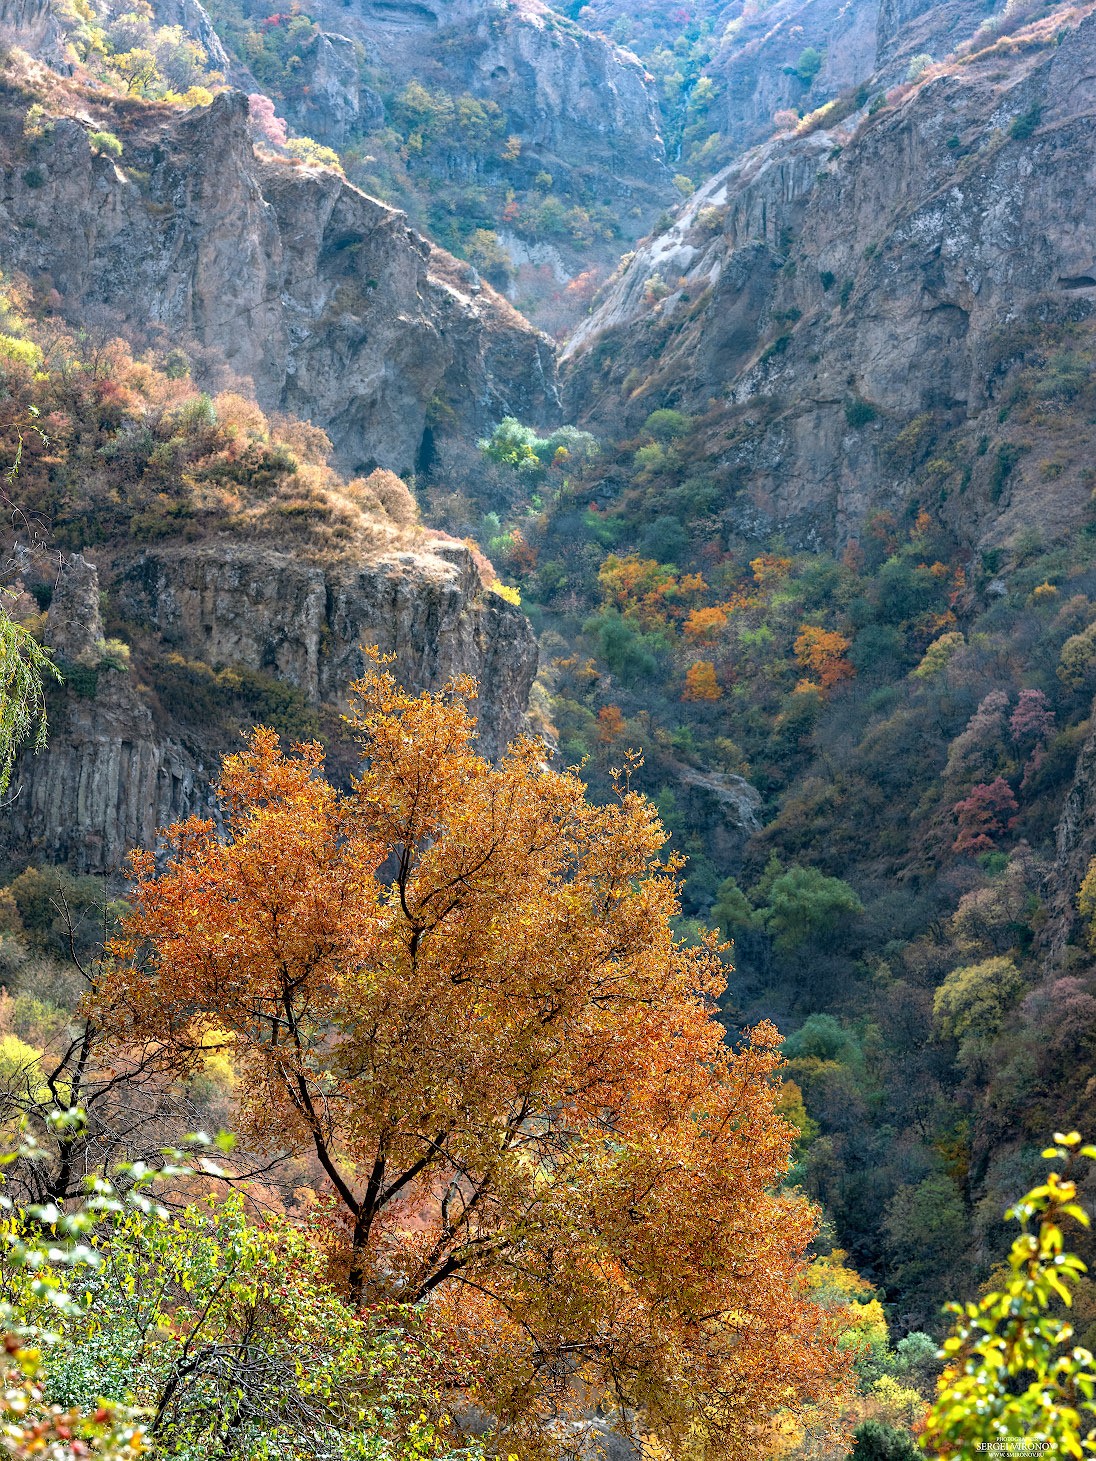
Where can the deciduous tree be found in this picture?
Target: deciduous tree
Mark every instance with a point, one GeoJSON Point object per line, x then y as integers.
{"type": "Point", "coordinates": [458, 985]}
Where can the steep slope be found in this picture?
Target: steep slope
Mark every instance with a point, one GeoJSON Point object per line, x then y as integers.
{"type": "Point", "coordinates": [843, 303]}
{"type": "Point", "coordinates": [511, 135]}
{"type": "Point", "coordinates": [794, 55]}
{"type": "Point", "coordinates": [575, 102]}
{"type": "Point", "coordinates": [224, 635]}
{"type": "Point", "coordinates": [285, 276]}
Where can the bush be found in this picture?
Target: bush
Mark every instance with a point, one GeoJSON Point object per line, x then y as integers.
{"type": "Point", "coordinates": [313, 154]}
{"type": "Point", "coordinates": [806, 908]}
{"type": "Point", "coordinates": [809, 64]}
{"type": "Point", "coordinates": [391, 495]}
{"type": "Point", "coordinates": [666, 425]}
{"type": "Point", "coordinates": [875, 1441]}
{"type": "Point", "coordinates": [104, 144]}
{"type": "Point", "coordinates": [859, 412]}
{"type": "Point", "coordinates": [1025, 124]}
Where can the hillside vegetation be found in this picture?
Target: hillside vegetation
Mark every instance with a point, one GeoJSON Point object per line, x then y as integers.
{"type": "Point", "coordinates": [629, 1062]}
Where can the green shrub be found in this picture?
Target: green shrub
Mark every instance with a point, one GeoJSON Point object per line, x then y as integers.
{"type": "Point", "coordinates": [859, 412]}
{"type": "Point", "coordinates": [1008, 454]}
{"type": "Point", "coordinates": [1025, 124]}
{"type": "Point", "coordinates": [809, 64]}
{"type": "Point", "coordinates": [104, 144]}
{"type": "Point", "coordinates": [668, 425]}
{"type": "Point", "coordinates": [877, 1441]}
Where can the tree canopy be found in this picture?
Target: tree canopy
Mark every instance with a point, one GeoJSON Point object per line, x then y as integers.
{"type": "Point", "coordinates": [458, 986]}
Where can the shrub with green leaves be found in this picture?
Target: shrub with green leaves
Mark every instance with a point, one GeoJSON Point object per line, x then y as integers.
{"type": "Point", "coordinates": [104, 144]}
{"type": "Point", "coordinates": [24, 664]}
{"type": "Point", "coordinates": [200, 1333]}
{"type": "Point", "coordinates": [1012, 1374]}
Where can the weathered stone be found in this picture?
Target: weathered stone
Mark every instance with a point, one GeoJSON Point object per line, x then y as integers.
{"type": "Point", "coordinates": [827, 290]}
{"type": "Point", "coordinates": [578, 104]}
{"type": "Point", "coordinates": [1074, 849]}
{"type": "Point", "coordinates": [115, 771]}
{"type": "Point", "coordinates": [306, 623]}
{"type": "Point", "coordinates": [323, 298]}
{"type": "Point", "coordinates": [74, 627]}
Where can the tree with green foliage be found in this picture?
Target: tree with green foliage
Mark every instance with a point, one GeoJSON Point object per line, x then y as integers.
{"type": "Point", "coordinates": [973, 1000]}
{"type": "Point", "coordinates": [24, 665]}
{"type": "Point", "coordinates": [513, 445]}
{"type": "Point", "coordinates": [731, 910]}
{"type": "Point", "coordinates": [132, 1330]}
{"type": "Point", "coordinates": [809, 64]}
{"type": "Point", "coordinates": [806, 907]}
{"type": "Point", "coordinates": [1012, 1374]}
{"type": "Point", "coordinates": [227, 1334]}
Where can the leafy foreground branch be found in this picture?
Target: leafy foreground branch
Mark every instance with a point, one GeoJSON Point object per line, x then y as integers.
{"type": "Point", "coordinates": [1013, 1384]}
{"type": "Point", "coordinates": [456, 991]}
{"type": "Point", "coordinates": [198, 1334]}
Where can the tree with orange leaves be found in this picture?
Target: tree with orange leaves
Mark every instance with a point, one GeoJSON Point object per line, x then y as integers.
{"type": "Point", "coordinates": [700, 682]}
{"type": "Point", "coordinates": [457, 985]}
{"type": "Point", "coordinates": [822, 653]}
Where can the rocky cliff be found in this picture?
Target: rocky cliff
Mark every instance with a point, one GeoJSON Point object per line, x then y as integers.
{"type": "Point", "coordinates": [848, 310]}
{"type": "Point", "coordinates": [761, 65]}
{"type": "Point", "coordinates": [577, 103]}
{"type": "Point", "coordinates": [285, 276]}
{"type": "Point", "coordinates": [305, 622]}
{"type": "Point", "coordinates": [135, 741]}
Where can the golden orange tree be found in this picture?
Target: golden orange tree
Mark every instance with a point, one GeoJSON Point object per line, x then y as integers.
{"type": "Point", "coordinates": [459, 986]}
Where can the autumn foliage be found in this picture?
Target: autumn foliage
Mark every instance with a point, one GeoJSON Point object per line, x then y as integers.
{"type": "Point", "coordinates": [457, 986]}
{"type": "Point", "coordinates": [984, 816]}
{"type": "Point", "coordinates": [821, 652]}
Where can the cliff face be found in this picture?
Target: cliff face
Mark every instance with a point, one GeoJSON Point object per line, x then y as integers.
{"type": "Point", "coordinates": [1074, 848]}
{"type": "Point", "coordinates": [121, 763]}
{"type": "Point", "coordinates": [287, 276]}
{"type": "Point", "coordinates": [305, 622]}
{"type": "Point", "coordinates": [576, 102]}
{"type": "Point", "coordinates": [757, 70]}
{"type": "Point", "coordinates": [908, 28]}
{"type": "Point", "coordinates": [827, 293]}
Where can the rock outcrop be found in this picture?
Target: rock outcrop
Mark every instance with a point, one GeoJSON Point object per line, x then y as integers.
{"type": "Point", "coordinates": [1074, 848]}
{"type": "Point", "coordinates": [577, 103]}
{"type": "Point", "coordinates": [118, 767]}
{"type": "Point", "coordinates": [74, 628]}
{"type": "Point", "coordinates": [287, 276]}
{"type": "Point", "coordinates": [109, 776]}
{"type": "Point", "coordinates": [39, 28]}
{"type": "Point", "coordinates": [828, 292]}
{"type": "Point", "coordinates": [305, 622]}
{"type": "Point", "coordinates": [334, 104]}
{"type": "Point", "coordinates": [757, 65]}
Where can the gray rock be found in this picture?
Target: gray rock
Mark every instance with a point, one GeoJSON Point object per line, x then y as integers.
{"type": "Point", "coordinates": [116, 770]}
{"type": "Point", "coordinates": [306, 623]}
{"type": "Point", "coordinates": [883, 264]}
{"type": "Point", "coordinates": [285, 276]}
{"type": "Point", "coordinates": [74, 625]}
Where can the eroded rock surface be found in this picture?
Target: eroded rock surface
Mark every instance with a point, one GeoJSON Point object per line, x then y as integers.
{"type": "Point", "coordinates": [286, 276]}
{"type": "Point", "coordinates": [118, 768]}
{"type": "Point", "coordinates": [825, 292]}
